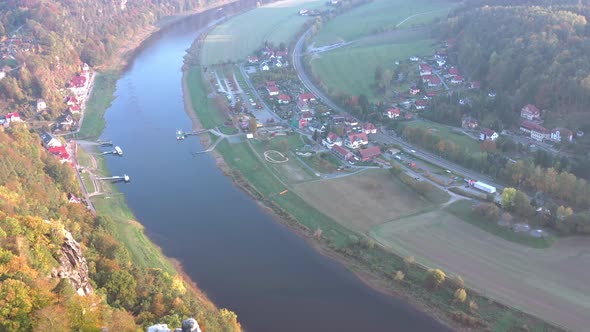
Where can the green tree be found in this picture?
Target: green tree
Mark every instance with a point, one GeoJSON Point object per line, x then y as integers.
{"type": "Point", "coordinates": [120, 289]}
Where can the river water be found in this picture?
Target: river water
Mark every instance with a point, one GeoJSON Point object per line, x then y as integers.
{"type": "Point", "coordinates": [234, 250]}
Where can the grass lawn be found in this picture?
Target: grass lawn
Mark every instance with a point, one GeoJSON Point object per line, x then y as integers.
{"type": "Point", "coordinates": [443, 131]}
{"type": "Point", "coordinates": [351, 70]}
{"type": "Point", "coordinates": [463, 210]}
{"type": "Point", "coordinates": [244, 34]}
{"type": "Point", "coordinates": [323, 162]}
{"type": "Point", "coordinates": [380, 15]}
{"type": "Point", "coordinates": [202, 105]}
{"type": "Point", "coordinates": [100, 100]}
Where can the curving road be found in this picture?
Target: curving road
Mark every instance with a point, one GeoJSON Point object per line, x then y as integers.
{"type": "Point", "coordinates": [381, 137]}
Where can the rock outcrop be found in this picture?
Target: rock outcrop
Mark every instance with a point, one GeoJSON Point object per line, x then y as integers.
{"type": "Point", "coordinates": [73, 266]}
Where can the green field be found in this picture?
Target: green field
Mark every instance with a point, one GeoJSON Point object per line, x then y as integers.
{"type": "Point", "coordinates": [199, 100]}
{"type": "Point", "coordinates": [445, 132]}
{"type": "Point", "coordinates": [351, 70]}
{"type": "Point", "coordinates": [243, 35]}
{"type": "Point", "coordinates": [100, 100]}
{"type": "Point", "coordinates": [378, 16]}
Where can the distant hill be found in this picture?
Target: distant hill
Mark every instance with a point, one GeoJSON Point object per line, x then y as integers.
{"type": "Point", "coordinates": [48, 39]}
{"type": "Point", "coordinates": [530, 52]}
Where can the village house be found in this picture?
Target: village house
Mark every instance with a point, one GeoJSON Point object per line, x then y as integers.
{"type": "Point", "coordinates": [85, 68]}
{"type": "Point", "coordinates": [414, 90]}
{"type": "Point", "coordinates": [307, 97]}
{"type": "Point", "coordinates": [13, 117]}
{"type": "Point", "coordinates": [41, 105]}
{"type": "Point", "coordinates": [475, 85]}
{"type": "Point", "coordinates": [370, 153]}
{"type": "Point", "coordinates": [350, 121]}
{"type": "Point", "coordinates": [71, 100]}
{"type": "Point", "coordinates": [316, 126]}
{"type": "Point", "coordinates": [369, 128]}
{"type": "Point", "coordinates": [534, 130]}
{"type": "Point", "coordinates": [355, 141]}
{"type": "Point", "coordinates": [561, 135]}
{"type": "Point", "coordinates": [61, 152]}
{"type": "Point", "coordinates": [273, 90]}
{"type": "Point", "coordinates": [421, 104]}
{"type": "Point", "coordinates": [469, 123]}
{"type": "Point", "coordinates": [284, 98]}
{"type": "Point", "coordinates": [66, 121]}
{"type": "Point", "coordinates": [307, 115]}
{"type": "Point", "coordinates": [253, 59]}
{"type": "Point", "coordinates": [453, 71]}
{"type": "Point", "coordinates": [72, 199]}
{"type": "Point", "coordinates": [392, 113]}
{"type": "Point", "coordinates": [425, 69]}
{"type": "Point", "coordinates": [303, 106]}
{"type": "Point", "coordinates": [434, 82]}
{"type": "Point", "coordinates": [331, 140]}
{"type": "Point", "coordinates": [408, 116]}
{"type": "Point", "coordinates": [488, 134]}
{"type": "Point", "coordinates": [49, 141]}
{"type": "Point", "coordinates": [426, 78]}
{"type": "Point", "coordinates": [342, 152]}
{"type": "Point", "coordinates": [414, 59]}
{"type": "Point", "coordinates": [75, 109]}
{"type": "Point", "coordinates": [530, 112]}
{"type": "Point", "coordinates": [264, 66]}
{"type": "Point", "coordinates": [457, 79]}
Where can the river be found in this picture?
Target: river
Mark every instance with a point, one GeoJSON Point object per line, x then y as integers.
{"type": "Point", "coordinates": [230, 246]}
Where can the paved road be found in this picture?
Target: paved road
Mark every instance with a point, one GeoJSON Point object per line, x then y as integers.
{"type": "Point", "coordinates": [380, 137]}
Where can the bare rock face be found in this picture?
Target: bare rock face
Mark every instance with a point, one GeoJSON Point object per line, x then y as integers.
{"type": "Point", "coordinates": [73, 266]}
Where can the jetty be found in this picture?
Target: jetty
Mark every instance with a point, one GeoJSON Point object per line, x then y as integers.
{"type": "Point", "coordinates": [117, 151]}
{"type": "Point", "coordinates": [180, 135]}
{"type": "Point", "coordinates": [105, 143]}
{"type": "Point", "coordinates": [125, 178]}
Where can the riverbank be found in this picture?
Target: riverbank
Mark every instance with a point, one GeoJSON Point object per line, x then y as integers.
{"type": "Point", "coordinates": [370, 262]}
{"type": "Point", "coordinates": [110, 203]}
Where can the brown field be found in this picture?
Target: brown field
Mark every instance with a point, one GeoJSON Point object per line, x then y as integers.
{"type": "Point", "coordinates": [549, 283]}
{"type": "Point", "coordinates": [362, 201]}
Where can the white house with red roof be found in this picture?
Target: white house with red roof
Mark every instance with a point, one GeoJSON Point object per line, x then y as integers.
{"type": "Point", "coordinates": [71, 100]}
{"type": "Point", "coordinates": [488, 134]}
{"type": "Point", "coordinates": [284, 98]}
{"type": "Point", "coordinates": [273, 90]}
{"type": "Point", "coordinates": [307, 115]}
{"type": "Point", "coordinates": [307, 97]}
{"type": "Point", "coordinates": [530, 112]}
{"type": "Point", "coordinates": [536, 131]}
{"type": "Point", "coordinates": [457, 79]}
{"type": "Point", "coordinates": [253, 59]}
{"type": "Point", "coordinates": [370, 153]}
{"type": "Point", "coordinates": [421, 104]}
{"type": "Point", "coordinates": [78, 82]}
{"type": "Point", "coordinates": [426, 78]}
{"type": "Point", "coordinates": [74, 109]}
{"type": "Point", "coordinates": [453, 71]}
{"type": "Point", "coordinates": [561, 135]}
{"type": "Point", "coordinates": [13, 117]}
{"type": "Point", "coordinates": [369, 128]}
{"type": "Point", "coordinates": [392, 113]}
{"type": "Point", "coordinates": [72, 199]}
{"type": "Point", "coordinates": [331, 140]}
{"type": "Point", "coordinates": [355, 141]}
{"type": "Point", "coordinates": [61, 152]}
{"type": "Point", "coordinates": [425, 69]}
{"type": "Point", "coordinates": [303, 106]}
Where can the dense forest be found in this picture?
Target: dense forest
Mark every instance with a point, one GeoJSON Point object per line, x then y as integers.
{"type": "Point", "coordinates": [60, 34]}
{"type": "Point", "coordinates": [533, 51]}
{"type": "Point", "coordinates": [36, 269]}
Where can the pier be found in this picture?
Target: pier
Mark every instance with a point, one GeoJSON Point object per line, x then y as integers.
{"type": "Point", "coordinates": [117, 151]}
{"type": "Point", "coordinates": [180, 135]}
{"type": "Point", "coordinates": [125, 178]}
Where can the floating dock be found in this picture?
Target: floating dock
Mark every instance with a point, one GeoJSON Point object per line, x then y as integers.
{"type": "Point", "coordinates": [125, 178]}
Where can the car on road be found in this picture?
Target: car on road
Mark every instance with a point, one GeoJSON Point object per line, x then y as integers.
{"type": "Point", "coordinates": [413, 151]}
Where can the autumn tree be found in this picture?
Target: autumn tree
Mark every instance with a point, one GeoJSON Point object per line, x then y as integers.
{"type": "Point", "coordinates": [460, 295]}
{"type": "Point", "coordinates": [435, 278]}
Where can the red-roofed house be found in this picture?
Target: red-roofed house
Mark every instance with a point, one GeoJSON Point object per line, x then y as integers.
{"type": "Point", "coordinates": [13, 117]}
{"type": "Point", "coordinates": [369, 128]}
{"type": "Point", "coordinates": [61, 152]}
{"type": "Point", "coordinates": [355, 141]}
{"type": "Point", "coordinates": [425, 69]}
{"type": "Point", "coordinates": [469, 123]}
{"type": "Point", "coordinates": [426, 78]}
{"type": "Point", "coordinates": [561, 135]}
{"type": "Point", "coordinates": [307, 115]}
{"type": "Point", "coordinates": [253, 59]}
{"type": "Point", "coordinates": [536, 132]}
{"type": "Point", "coordinates": [488, 134]}
{"type": "Point", "coordinates": [414, 90]}
{"type": "Point", "coordinates": [392, 113]}
{"type": "Point", "coordinates": [342, 152]}
{"type": "Point", "coordinates": [453, 71]}
{"type": "Point", "coordinates": [71, 101]}
{"type": "Point", "coordinates": [284, 98]}
{"type": "Point", "coordinates": [272, 90]}
{"type": "Point", "coordinates": [434, 82]}
{"type": "Point", "coordinates": [408, 116]}
{"type": "Point", "coordinates": [74, 109]}
{"type": "Point", "coordinates": [421, 104]}
{"type": "Point", "coordinates": [530, 112]}
{"type": "Point", "coordinates": [78, 82]}
{"type": "Point", "coordinates": [370, 153]}
{"type": "Point", "coordinates": [475, 85]}
{"type": "Point", "coordinates": [332, 139]}
{"type": "Point", "coordinates": [303, 106]}
{"type": "Point", "coordinates": [307, 97]}
{"type": "Point", "coordinates": [281, 54]}
{"type": "Point", "coordinates": [271, 83]}
{"type": "Point", "coordinates": [457, 79]}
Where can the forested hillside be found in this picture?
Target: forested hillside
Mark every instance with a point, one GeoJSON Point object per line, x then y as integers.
{"type": "Point", "coordinates": [531, 51]}
{"type": "Point", "coordinates": [43, 269]}
{"type": "Point", "coordinates": [52, 37]}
